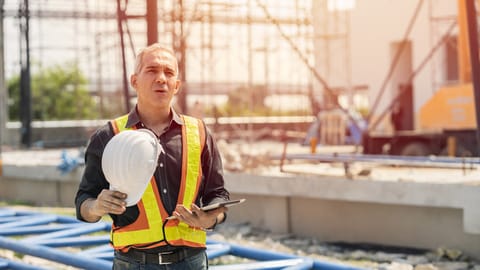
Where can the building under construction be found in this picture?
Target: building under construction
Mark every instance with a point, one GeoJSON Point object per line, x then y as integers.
{"type": "Point", "coordinates": [221, 45]}
{"type": "Point", "coordinates": [390, 60]}
{"type": "Point", "coordinates": [304, 55]}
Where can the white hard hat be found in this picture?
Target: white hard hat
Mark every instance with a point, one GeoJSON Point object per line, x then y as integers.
{"type": "Point", "coordinates": [129, 161]}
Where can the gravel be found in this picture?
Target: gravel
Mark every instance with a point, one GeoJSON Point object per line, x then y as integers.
{"type": "Point", "coordinates": [362, 255]}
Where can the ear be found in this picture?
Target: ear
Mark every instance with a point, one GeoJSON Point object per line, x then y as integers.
{"type": "Point", "coordinates": [133, 81]}
{"type": "Point", "coordinates": [178, 83]}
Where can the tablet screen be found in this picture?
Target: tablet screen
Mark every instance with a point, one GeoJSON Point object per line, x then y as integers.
{"type": "Point", "coordinates": [220, 204]}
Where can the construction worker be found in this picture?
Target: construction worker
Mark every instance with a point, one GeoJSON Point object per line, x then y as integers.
{"type": "Point", "coordinates": [166, 227]}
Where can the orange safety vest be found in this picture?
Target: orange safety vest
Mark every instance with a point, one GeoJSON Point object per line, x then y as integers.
{"type": "Point", "coordinates": [149, 229]}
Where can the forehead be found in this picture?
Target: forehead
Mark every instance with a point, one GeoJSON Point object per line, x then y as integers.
{"type": "Point", "coordinates": [159, 58]}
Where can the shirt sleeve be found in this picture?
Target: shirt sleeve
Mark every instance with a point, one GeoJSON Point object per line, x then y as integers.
{"type": "Point", "coordinates": [93, 180]}
{"type": "Point", "coordinates": [213, 177]}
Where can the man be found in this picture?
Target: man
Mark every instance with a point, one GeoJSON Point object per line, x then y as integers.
{"type": "Point", "coordinates": [142, 234]}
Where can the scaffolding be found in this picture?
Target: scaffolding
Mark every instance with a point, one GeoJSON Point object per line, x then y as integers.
{"type": "Point", "coordinates": [221, 44]}
{"type": "Point", "coordinates": [300, 61]}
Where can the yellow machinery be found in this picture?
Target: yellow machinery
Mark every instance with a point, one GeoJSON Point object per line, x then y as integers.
{"type": "Point", "coordinates": [447, 123]}
{"type": "Point", "coordinates": [453, 107]}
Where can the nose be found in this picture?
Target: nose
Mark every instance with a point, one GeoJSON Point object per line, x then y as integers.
{"type": "Point", "coordinates": [161, 77]}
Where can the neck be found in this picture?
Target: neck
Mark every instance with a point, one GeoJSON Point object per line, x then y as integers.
{"type": "Point", "coordinates": [154, 118]}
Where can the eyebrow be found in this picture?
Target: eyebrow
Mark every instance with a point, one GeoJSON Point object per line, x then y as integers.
{"type": "Point", "coordinates": [159, 66]}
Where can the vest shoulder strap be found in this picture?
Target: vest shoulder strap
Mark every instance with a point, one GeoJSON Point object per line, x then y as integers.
{"type": "Point", "coordinates": [119, 123]}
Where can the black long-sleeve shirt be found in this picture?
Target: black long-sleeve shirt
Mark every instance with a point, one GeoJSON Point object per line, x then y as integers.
{"type": "Point", "coordinates": [167, 174]}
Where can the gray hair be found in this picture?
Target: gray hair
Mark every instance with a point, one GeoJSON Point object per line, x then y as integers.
{"type": "Point", "coordinates": [150, 48]}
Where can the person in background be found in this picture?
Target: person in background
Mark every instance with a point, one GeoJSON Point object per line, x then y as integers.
{"type": "Point", "coordinates": [159, 231]}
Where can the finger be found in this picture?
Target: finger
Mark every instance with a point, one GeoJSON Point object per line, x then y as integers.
{"type": "Point", "coordinates": [177, 212]}
{"type": "Point", "coordinates": [196, 210]}
{"type": "Point", "coordinates": [115, 197]}
{"type": "Point", "coordinates": [117, 202]}
{"type": "Point", "coordinates": [182, 210]}
{"type": "Point", "coordinates": [113, 207]}
{"type": "Point", "coordinates": [117, 210]}
{"type": "Point", "coordinates": [119, 195]}
{"type": "Point", "coordinates": [222, 209]}
{"type": "Point", "coordinates": [177, 216]}
{"type": "Point", "coordinates": [216, 212]}
{"type": "Point", "coordinates": [187, 216]}
{"type": "Point", "coordinates": [171, 217]}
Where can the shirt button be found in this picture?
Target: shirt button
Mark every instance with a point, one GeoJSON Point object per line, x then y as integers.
{"type": "Point", "coordinates": [161, 165]}
{"type": "Point", "coordinates": [165, 190]}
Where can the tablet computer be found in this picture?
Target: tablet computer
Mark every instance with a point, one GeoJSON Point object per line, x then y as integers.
{"type": "Point", "coordinates": [220, 204]}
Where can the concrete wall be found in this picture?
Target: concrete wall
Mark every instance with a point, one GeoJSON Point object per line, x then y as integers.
{"type": "Point", "coordinates": [401, 214]}
{"type": "Point", "coordinates": [38, 185]}
{"type": "Point", "coordinates": [356, 222]}
{"type": "Point", "coordinates": [56, 136]}
{"type": "Point", "coordinates": [48, 193]}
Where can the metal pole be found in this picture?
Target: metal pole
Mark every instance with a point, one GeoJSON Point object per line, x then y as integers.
{"type": "Point", "coordinates": [250, 69]}
{"type": "Point", "coordinates": [120, 19]}
{"type": "Point", "coordinates": [152, 20]}
{"type": "Point", "coordinates": [473, 43]}
{"type": "Point", "coordinates": [25, 88]}
{"type": "Point", "coordinates": [180, 47]}
{"type": "Point", "coordinates": [3, 89]}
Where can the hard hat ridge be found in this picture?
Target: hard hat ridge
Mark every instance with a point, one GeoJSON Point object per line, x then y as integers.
{"type": "Point", "coordinates": [129, 161]}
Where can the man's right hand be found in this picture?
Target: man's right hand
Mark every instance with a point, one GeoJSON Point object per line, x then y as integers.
{"type": "Point", "coordinates": [107, 202]}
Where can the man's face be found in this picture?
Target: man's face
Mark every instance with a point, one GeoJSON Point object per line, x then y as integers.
{"type": "Point", "coordinates": [157, 82]}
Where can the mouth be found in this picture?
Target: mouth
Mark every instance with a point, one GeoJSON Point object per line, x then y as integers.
{"type": "Point", "coordinates": [160, 90]}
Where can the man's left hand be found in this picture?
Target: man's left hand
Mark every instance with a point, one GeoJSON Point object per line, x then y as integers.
{"type": "Point", "coordinates": [196, 217]}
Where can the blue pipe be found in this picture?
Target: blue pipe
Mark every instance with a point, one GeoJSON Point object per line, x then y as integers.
{"type": "Point", "coordinates": [215, 251]}
{"type": "Point", "coordinates": [61, 219]}
{"type": "Point", "coordinates": [80, 261]}
{"type": "Point", "coordinates": [39, 219]}
{"type": "Point", "coordinates": [6, 212]}
{"type": "Point", "coordinates": [264, 265]}
{"type": "Point", "coordinates": [101, 257]}
{"type": "Point", "coordinates": [6, 219]}
{"type": "Point", "coordinates": [12, 265]}
{"type": "Point", "coordinates": [34, 229]}
{"type": "Point", "coordinates": [74, 241]}
{"type": "Point", "coordinates": [99, 249]}
{"type": "Point", "coordinates": [262, 255]}
{"type": "Point", "coordinates": [104, 256]}
{"type": "Point", "coordinates": [79, 230]}
{"type": "Point", "coordinates": [307, 264]}
{"type": "Point", "coordinates": [67, 219]}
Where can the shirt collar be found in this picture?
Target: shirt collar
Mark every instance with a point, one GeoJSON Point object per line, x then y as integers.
{"type": "Point", "coordinates": [134, 118]}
